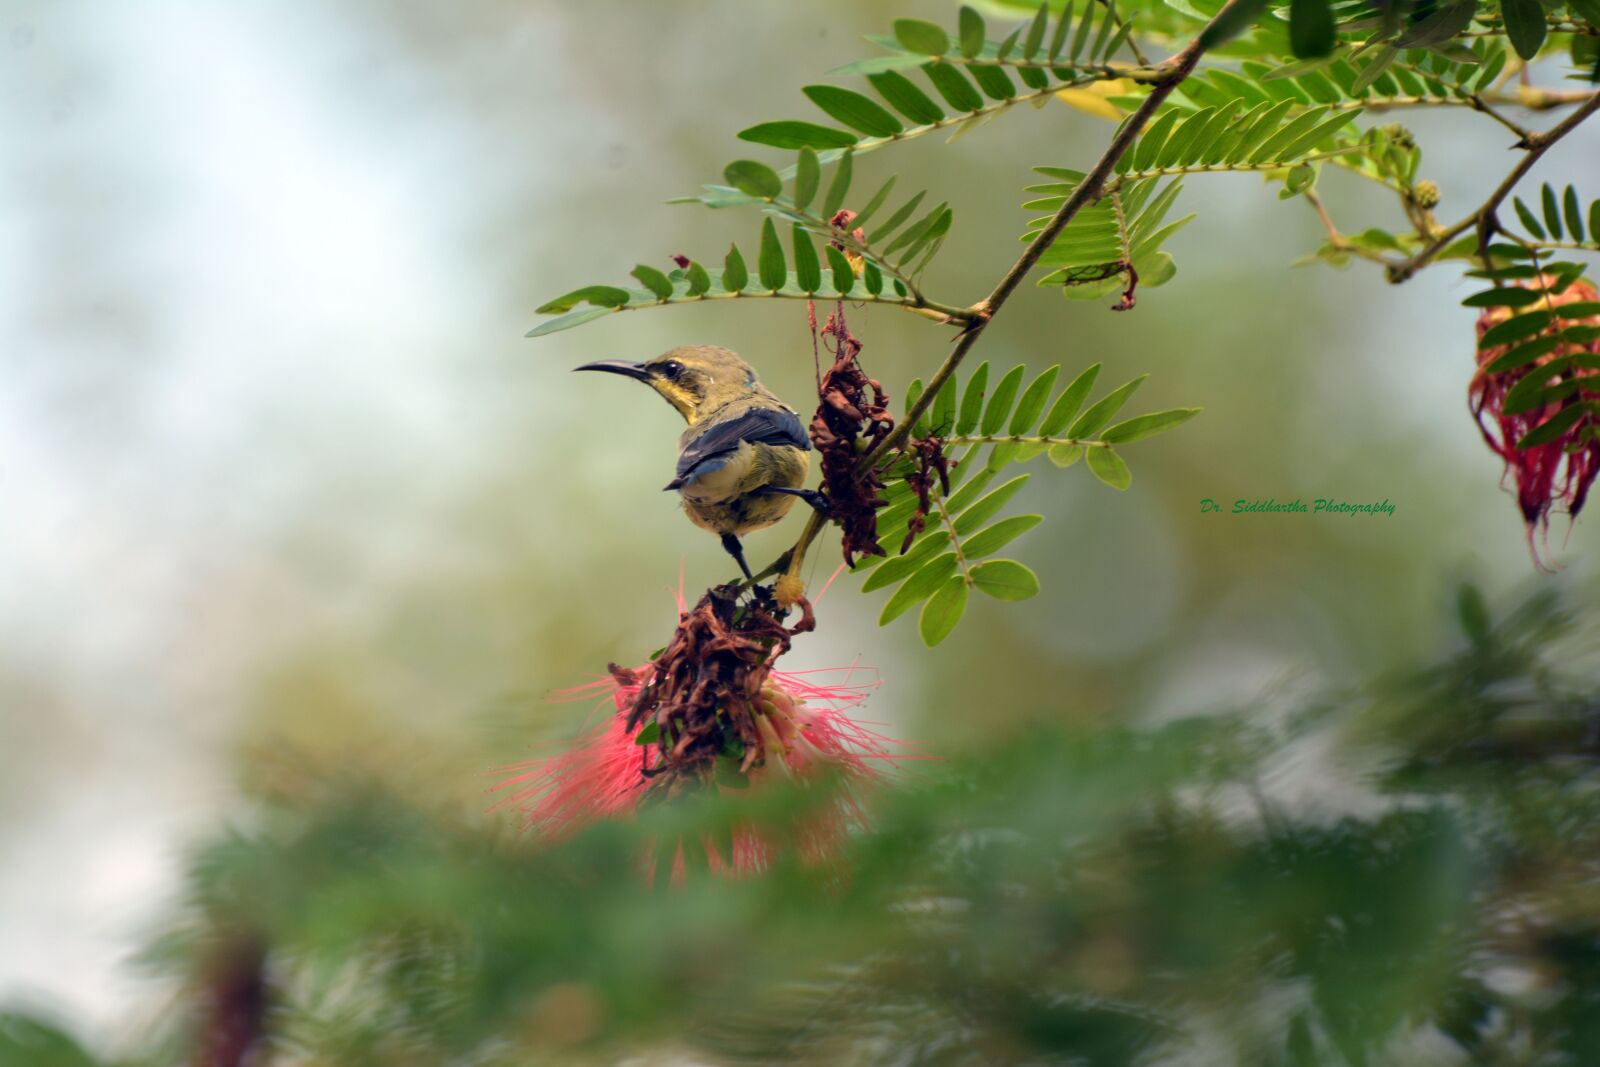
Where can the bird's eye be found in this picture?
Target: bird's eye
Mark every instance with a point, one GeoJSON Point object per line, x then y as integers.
{"type": "Point", "coordinates": [671, 369]}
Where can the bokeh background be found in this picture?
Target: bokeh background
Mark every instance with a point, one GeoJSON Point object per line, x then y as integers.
{"type": "Point", "coordinates": [282, 485]}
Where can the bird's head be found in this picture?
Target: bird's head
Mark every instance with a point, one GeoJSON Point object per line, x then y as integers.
{"type": "Point", "coordinates": [694, 379]}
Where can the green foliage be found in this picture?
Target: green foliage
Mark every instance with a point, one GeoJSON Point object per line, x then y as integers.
{"type": "Point", "coordinates": [1524, 21]}
{"type": "Point", "coordinates": [1125, 227]}
{"type": "Point", "coordinates": [1085, 35]}
{"type": "Point", "coordinates": [972, 75]}
{"type": "Point", "coordinates": [29, 1041]}
{"type": "Point", "coordinates": [1069, 889]}
{"type": "Point", "coordinates": [894, 245]}
{"type": "Point", "coordinates": [986, 430]}
{"type": "Point", "coordinates": [1350, 81]}
{"type": "Point", "coordinates": [1561, 221]}
{"type": "Point", "coordinates": [1265, 136]}
{"type": "Point", "coordinates": [1255, 112]}
{"type": "Point", "coordinates": [1311, 28]}
{"type": "Point", "coordinates": [1093, 255]}
{"type": "Point", "coordinates": [1099, 894]}
{"type": "Point", "coordinates": [1282, 93]}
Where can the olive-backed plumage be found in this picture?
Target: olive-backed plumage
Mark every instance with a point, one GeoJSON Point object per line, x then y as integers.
{"type": "Point", "coordinates": [744, 457]}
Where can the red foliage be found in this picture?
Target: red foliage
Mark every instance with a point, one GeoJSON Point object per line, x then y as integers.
{"type": "Point", "coordinates": [1557, 472]}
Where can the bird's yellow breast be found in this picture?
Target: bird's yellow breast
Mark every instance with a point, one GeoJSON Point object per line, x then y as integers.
{"type": "Point", "coordinates": [726, 501]}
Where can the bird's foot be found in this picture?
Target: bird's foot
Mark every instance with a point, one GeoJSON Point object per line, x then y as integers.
{"type": "Point", "coordinates": [731, 545]}
{"type": "Point", "coordinates": [816, 498]}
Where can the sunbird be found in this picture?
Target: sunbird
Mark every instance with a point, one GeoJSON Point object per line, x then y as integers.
{"type": "Point", "coordinates": [743, 460]}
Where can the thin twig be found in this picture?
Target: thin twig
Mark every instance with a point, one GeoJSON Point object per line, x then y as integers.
{"type": "Point", "coordinates": [1477, 102]}
{"type": "Point", "coordinates": [1533, 98]}
{"type": "Point", "coordinates": [1335, 238]}
{"type": "Point", "coordinates": [1527, 97]}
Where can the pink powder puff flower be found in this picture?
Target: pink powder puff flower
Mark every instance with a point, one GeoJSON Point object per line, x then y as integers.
{"type": "Point", "coordinates": [805, 727]}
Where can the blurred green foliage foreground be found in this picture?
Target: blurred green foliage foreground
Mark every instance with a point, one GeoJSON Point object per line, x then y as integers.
{"type": "Point", "coordinates": [1408, 873]}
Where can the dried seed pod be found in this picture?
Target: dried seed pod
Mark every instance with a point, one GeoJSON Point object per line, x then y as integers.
{"type": "Point", "coordinates": [852, 412]}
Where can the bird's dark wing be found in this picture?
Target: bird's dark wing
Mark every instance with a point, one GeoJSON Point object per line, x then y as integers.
{"type": "Point", "coordinates": [709, 451]}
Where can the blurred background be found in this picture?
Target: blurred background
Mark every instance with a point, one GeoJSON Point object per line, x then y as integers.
{"type": "Point", "coordinates": [283, 488]}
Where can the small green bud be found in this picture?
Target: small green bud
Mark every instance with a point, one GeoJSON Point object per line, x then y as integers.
{"type": "Point", "coordinates": [1426, 194]}
{"type": "Point", "coordinates": [1399, 135]}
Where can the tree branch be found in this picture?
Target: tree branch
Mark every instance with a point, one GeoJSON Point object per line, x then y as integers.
{"type": "Point", "coordinates": [1169, 75]}
{"type": "Point", "coordinates": [1483, 220]}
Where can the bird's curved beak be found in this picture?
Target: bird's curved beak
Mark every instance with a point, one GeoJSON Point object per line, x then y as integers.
{"type": "Point", "coordinates": [618, 366]}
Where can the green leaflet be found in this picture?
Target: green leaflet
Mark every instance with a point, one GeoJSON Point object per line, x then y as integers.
{"type": "Point", "coordinates": [794, 134]}
{"type": "Point", "coordinates": [1561, 216]}
{"type": "Point", "coordinates": [972, 32]}
{"type": "Point", "coordinates": [839, 188]}
{"type": "Point", "coordinates": [1556, 425]}
{"type": "Point", "coordinates": [1142, 426]}
{"type": "Point", "coordinates": [734, 274]}
{"type": "Point", "coordinates": [904, 96]}
{"type": "Point", "coordinates": [699, 280]}
{"type": "Point", "coordinates": [1005, 392]}
{"type": "Point", "coordinates": [1311, 27]}
{"type": "Point", "coordinates": [1068, 403]}
{"type": "Point", "coordinates": [602, 296]}
{"type": "Point", "coordinates": [918, 587]}
{"type": "Point", "coordinates": [844, 278]}
{"type": "Point", "coordinates": [1097, 416]}
{"type": "Point", "coordinates": [1513, 298]}
{"type": "Point", "coordinates": [1438, 26]}
{"type": "Point", "coordinates": [943, 610]}
{"type": "Point", "coordinates": [898, 568]}
{"type": "Point", "coordinates": [807, 270]}
{"type": "Point", "coordinates": [993, 538]}
{"type": "Point", "coordinates": [753, 178]}
{"type": "Point", "coordinates": [854, 110]}
{"type": "Point", "coordinates": [944, 409]}
{"type": "Point", "coordinates": [1065, 456]}
{"type": "Point", "coordinates": [964, 496]}
{"type": "Point", "coordinates": [1525, 26]}
{"type": "Point", "coordinates": [1005, 579]}
{"type": "Point", "coordinates": [568, 321]}
{"type": "Point", "coordinates": [957, 91]}
{"type": "Point", "coordinates": [1234, 21]}
{"type": "Point", "coordinates": [1514, 328]}
{"type": "Point", "coordinates": [771, 267]}
{"type": "Point", "coordinates": [807, 176]}
{"type": "Point", "coordinates": [895, 220]}
{"type": "Point", "coordinates": [986, 508]}
{"type": "Point", "coordinates": [972, 399]}
{"type": "Point", "coordinates": [1033, 401]}
{"type": "Point", "coordinates": [653, 280]}
{"type": "Point", "coordinates": [1109, 467]}
{"type": "Point", "coordinates": [926, 38]}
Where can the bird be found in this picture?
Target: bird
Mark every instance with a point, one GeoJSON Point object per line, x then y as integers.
{"type": "Point", "coordinates": [743, 460]}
